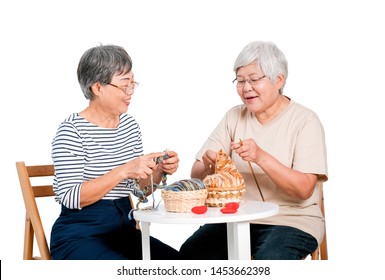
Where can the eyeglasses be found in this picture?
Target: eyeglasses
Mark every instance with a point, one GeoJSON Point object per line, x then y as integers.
{"type": "Point", "coordinates": [126, 90]}
{"type": "Point", "coordinates": [241, 83]}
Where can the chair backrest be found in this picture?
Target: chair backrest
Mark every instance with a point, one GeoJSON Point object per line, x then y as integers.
{"type": "Point", "coordinates": [33, 223]}
{"type": "Point", "coordinates": [321, 253]}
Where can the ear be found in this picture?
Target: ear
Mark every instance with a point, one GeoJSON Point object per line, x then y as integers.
{"type": "Point", "coordinates": [281, 80]}
{"type": "Point", "coordinates": [95, 88]}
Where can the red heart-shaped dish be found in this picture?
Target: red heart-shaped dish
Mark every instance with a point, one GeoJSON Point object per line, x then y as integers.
{"type": "Point", "coordinates": [228, 210]}
{"type": "Point", "coordinates": [199, 209]}
{"type": "Point", "coordinates": [232, 205]}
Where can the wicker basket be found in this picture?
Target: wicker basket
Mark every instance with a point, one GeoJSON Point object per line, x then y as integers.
{"type": "Point", "coordinates": [183, 201]}
{"type": "Point", "coordinates": [217, 197]}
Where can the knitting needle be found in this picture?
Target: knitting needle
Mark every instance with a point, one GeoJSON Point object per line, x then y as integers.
{"type": "Point", "coordinates": [252, 171]}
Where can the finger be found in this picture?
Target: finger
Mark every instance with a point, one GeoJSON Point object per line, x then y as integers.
{"type": "Point", "coordinates": [154, 155]}
{"type": "Point", "coordinates": [169, 163]}
{"type": "Point", "coordinates": [148, 171]}
{"type": "Point", "coordinates": [208, 163]}
{"type": "Point", "coordinates": [239, 150]}
{"type": "Point", "coordinates": [151, 164]}
{"type": "Point", "coordinates": [143, 175]}
{"type": "Point", "coordinates": [235, 145]}
{"type": "Point", "coordinates": [210, 155]}
{"type": "Point", "coordinates": [171, 160]}
{"type": "Point", "coordinates": [172, 166]}
{"type": "Point", "coordinates": [245, 156]}
{"type": "Point", "coordinates": [171, 153]}
{"type": "Point", "coordinates": [170, 169]}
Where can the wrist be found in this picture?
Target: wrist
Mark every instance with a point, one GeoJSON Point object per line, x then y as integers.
{"type": "Point", "coordinates": [262, 158]}
{"type": "Point", "coordinates": [157, 173]}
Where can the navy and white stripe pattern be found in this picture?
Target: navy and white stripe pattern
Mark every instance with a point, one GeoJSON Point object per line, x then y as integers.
{"type": "Point", "coordinates": [82, 151]}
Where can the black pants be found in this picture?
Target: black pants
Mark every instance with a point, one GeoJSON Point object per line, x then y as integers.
{"type": "Point", "coordinates": [268, 242]}
{"type": "Point", "coordinates": [102, 231]}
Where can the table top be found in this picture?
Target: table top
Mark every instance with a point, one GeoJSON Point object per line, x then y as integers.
{"type": "Point", "coordinates": [248, 210]}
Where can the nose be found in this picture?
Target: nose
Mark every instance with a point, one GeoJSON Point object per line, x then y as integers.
{"type": "Point", "coordinates": [129, 91]}
{"type": "Point", "coordinates": [247, 86]}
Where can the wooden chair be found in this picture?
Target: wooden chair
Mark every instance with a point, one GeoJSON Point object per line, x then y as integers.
{"type": "Point", "coordinates": [321, 253]}
{"type": "Point", "coordinates": [33, 224]}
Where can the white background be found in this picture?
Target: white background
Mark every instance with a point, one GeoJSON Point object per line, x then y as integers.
{"type": "Point", "coordinates": [183, 53]}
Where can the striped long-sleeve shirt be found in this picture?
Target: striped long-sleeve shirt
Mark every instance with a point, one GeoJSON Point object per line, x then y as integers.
{"type": "Point", "coordinates": [82, 151]}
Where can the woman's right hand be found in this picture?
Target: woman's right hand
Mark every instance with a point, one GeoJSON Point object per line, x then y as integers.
{"type": "Point", "coordinates": [141, 167]}
{"type": "Point", "coordinates": [204, 167]}
{"type": "Point", "coordinates": [209, 158]}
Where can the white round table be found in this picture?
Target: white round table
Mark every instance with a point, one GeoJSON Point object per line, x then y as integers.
{"type": "Point", "coordinates": [238, 224]}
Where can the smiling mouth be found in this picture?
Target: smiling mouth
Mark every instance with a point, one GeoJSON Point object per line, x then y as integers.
{"type": "Point", "coordinates": [251, 97]}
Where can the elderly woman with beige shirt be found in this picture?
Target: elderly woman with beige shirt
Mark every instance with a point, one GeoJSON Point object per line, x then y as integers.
{"type": "Point", "coordinates": [285, 144]}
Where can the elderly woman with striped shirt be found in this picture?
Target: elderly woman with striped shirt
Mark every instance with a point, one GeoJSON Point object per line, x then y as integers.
{"type": "Point", "coordinates": [98, 157]}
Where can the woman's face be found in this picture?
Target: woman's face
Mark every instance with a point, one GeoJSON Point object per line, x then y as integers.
{"type": "Point", "coordinates": [116, 96]}
{"type": "Point", "coordinates": [257, 92]}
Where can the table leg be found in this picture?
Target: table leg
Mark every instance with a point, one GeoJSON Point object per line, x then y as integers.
{"type": "Point", "coordinates": [145, 228]}
{"type": "Point", "coordinates": [238, 241]}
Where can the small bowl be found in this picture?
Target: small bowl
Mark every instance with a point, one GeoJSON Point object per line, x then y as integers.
{"type": "Point", "coordinates": [199, 209]}
{"type": "Point", "coordinates": [232, 205]}
{"type": "Point", "coordinates": [228, 210]}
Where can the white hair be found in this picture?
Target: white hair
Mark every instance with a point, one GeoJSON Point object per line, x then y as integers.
{"type": "Point", "coordinates": [267, 56]}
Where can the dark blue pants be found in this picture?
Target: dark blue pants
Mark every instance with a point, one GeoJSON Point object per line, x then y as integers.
{"type": "Point", "coordinates": [268, 242]}
{"type": "Point", "coordinates": [102, 231]}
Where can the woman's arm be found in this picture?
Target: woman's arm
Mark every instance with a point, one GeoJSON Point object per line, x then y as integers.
{"type": "Point", "coordinates": [73, 190]}
{"type": "Point", "coordinates": [293, 182]}
{"type": "Point", "coordinates": [168, 166]}
{"type": "Point", "coordinates": [204, 167]}
{"type": "Point", "coordinates": [138, 168]}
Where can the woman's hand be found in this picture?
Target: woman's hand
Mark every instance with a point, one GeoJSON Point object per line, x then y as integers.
{"type": "Point", "coordinates": [141, 167]}
{"type": "Point", "coordinates": [295, 183]}
{"type": "Point", "coordinates": [171, 164]}
{"type": "Point", "coordinates": [248, 150]}
{"type": "Point", "coordinates": [209, 158]}
{"type": "Point", "coordinates": [204, 167]}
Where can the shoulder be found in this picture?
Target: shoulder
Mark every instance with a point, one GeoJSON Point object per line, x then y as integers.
{"type": "Point", "coordinates": [127, 118]}
{"type": "Point", "coordinates": [77, 122]}
{"type": "Point", "coordinates": [68, 132]}
{"type": "Point", "coordinates": [128, 121]}
{"type": "Point", "coordinates": [303, 118]}
{"type": "Point", "coordinates": [237, 111]}
{"type": "Point", "coordinates": [302, 112]}
{"type": "Point", "coordinates": [73, 120]}
{"type": "Point", "coordinates": [70, 121]}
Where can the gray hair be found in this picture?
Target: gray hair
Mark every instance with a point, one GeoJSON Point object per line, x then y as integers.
{"type": "Point", "coordinates": [100, 64]}
{"type": "Point", "coordinates": [267, 56]}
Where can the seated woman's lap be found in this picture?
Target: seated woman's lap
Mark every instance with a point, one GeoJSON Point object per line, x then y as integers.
{"type": "Point", "coordinates": [270, 242]}
{"type": "Point", "coordinates": [103, 231]}
{"type": "Point", "coordinates": [267, 242]}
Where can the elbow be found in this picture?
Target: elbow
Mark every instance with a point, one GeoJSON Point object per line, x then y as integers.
{"type": "Point", "coordinates": [306, 194]}
{"type": "Point", "coordinates": [198, 170]}
{"type": "Point", "coordinates": [308, 187]}
{"type": "Point", "coordinates": [196, 175]}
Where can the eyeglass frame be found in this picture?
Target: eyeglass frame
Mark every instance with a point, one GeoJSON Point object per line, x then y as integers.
{"type": "Point", "coordinates": [250, 81]}
{"type": "Point", "coordinates": [125, 89]}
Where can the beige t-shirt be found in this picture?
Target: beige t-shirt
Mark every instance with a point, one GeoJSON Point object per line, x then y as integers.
{"type": "Point", "coordinates": [296, 138]}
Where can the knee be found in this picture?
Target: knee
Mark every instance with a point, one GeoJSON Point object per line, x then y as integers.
{"type": "Point", "coordinates": [275, 253]}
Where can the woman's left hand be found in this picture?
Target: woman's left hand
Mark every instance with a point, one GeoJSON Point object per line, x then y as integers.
{"type": "Point", "coordinates": [171, 164]}
{"type": "Point", "coordinates": [248, 150]}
